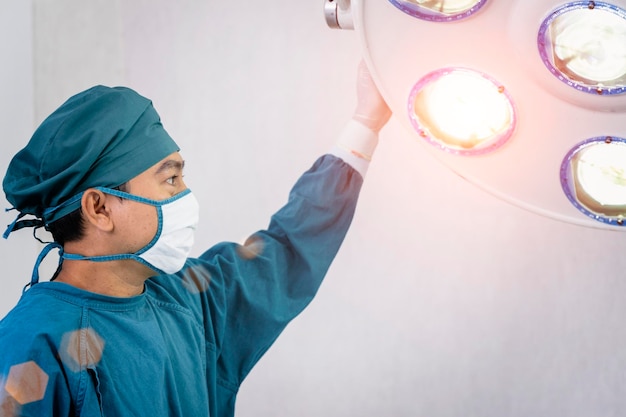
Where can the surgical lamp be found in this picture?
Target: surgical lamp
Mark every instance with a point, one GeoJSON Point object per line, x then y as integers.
{"type": "Point", "coordinates": [524, 98]}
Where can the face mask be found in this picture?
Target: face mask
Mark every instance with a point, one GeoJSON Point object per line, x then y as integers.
{"type": "Point", "coordinates": [167, 252]}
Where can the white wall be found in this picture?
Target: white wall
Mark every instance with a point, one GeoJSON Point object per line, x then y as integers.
{"type": "Point", "coordinates": [443, 301]}
{"type": "Point", "coordinates": [16, 119]}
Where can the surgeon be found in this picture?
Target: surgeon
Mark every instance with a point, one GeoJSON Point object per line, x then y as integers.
{"type": "Point", "coordinates": [129, 325]}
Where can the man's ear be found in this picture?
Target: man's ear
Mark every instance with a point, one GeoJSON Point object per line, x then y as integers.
{"type": "Point", "coordinates": [95, 211]}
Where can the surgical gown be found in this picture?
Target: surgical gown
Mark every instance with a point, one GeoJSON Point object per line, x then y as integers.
{"type": "Point", "coordinates": [184, 346]}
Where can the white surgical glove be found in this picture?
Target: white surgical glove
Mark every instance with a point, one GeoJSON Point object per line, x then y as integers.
{"type": "Point", "coordinates": [371, 109]}
{"type": "Point", "coordinates": [359, 138]}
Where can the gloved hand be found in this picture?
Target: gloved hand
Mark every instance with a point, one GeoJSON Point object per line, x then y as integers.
{"type": "Point", "coordinates": [371, 110]}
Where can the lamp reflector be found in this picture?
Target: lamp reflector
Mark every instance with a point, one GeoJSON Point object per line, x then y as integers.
{"type": "Point", "coordinates": [439, 10]}
{"type": "Point", "coordinates": [461, 111]}
{"type": "Point", "coordinates": [584, 45]}
{"type": "Point", "coordinates": [593, 176]}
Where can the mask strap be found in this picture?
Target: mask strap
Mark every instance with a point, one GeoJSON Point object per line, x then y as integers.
{"type": "Point", "coordinates": [156, 203]}
{"type": "Point", "coordinates": [35, 276]}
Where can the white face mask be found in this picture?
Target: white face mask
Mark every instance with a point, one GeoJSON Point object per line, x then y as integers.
{"type": "Point", "coordinates": [167, 252]}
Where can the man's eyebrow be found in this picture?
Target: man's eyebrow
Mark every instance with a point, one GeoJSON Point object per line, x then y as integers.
{"type": "Point", "coordinates": [171, 164]}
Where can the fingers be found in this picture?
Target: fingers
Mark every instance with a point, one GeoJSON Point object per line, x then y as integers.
{"type": "Point", "coordinates": [371, 109]}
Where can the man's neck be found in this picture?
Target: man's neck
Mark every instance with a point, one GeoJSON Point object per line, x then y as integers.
{"type": "Point", "coordinates": [123, 278]}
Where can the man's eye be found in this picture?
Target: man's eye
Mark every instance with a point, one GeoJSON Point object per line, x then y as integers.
{"type": "Point", "coordinates": [172, 180]}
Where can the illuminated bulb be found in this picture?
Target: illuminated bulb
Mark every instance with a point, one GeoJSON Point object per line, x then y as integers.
{"type": "Point", "coordinates": [593, 175]}
{"type": "Point", "coordinates": [445, 6]}
{"type": "Point", "coordinates": [586, 46]}
{"type": "Point", "coordinates": [439, 10]}
{"type": "Point", "coordinates": [461, 110]}
{"type": "Point", "coordinates": [601, 173]}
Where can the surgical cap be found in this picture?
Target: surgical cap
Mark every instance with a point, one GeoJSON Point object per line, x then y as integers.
{"type": "Point", "coordinates": [101, 137]}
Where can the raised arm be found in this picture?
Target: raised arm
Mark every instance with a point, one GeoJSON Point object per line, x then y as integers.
{"type": "Point", "coordinates": [261, 286]}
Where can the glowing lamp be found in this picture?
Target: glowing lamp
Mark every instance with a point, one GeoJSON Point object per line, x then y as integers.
{"type": "Point", "coordinates": [552, 73]}
{"type": "Point", "coordinates": [593, 176]}
{"type": "Point", "coordinates": [461, 111]}
{"type": "Point", "coordinates": [439, 10]}
{"type": "Point", "coordinates": [584, 44]}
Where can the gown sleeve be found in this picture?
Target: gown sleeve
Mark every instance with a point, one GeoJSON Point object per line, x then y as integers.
{"type": "Point", "coordinates": [269, 280]}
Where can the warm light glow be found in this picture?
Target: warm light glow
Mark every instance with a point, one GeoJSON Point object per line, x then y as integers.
{"type": "Point", "coordinates": [594, 178]}
{"type": "Point", "coordinates": [26, 382]}
{"type": "Point", "coordinates": [587, 45]}
{"type": "Point", "coordinates": [461, 110]}
{"type": "Point", "coordinates": [439, 10]}
{"type": "Point", "coordinates": [81, 348]}
{"type": "Point", "coordinates": [445, 6]}
{"type": "Point", "coordinates": [8, 405]}
{"type": "Point", "coordinates": [601, 172]}
{"type": "Point", "coordinates": [251, 248]}
{"type": "Point", "coordinates": [196, 279]}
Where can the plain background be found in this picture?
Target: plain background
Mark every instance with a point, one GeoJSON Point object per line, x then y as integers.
{"type": "Point", "coordinates": [443, 300]}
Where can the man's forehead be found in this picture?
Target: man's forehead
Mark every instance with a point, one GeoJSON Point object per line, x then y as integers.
{"type": "Point", "coordinates": [173, 161]}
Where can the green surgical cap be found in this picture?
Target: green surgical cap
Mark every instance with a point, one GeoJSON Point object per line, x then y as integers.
{"type": "Point", "coordinates": [101, 137]}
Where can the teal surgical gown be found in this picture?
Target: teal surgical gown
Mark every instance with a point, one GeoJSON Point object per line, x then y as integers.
{"type": "Point", "coordinates": [184, 346]}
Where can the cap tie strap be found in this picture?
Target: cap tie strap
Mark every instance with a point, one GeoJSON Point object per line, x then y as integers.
{"type": "Point", "coordinates": [18, 224]}
{"type": "Point", "coordinates": [35, 276]}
